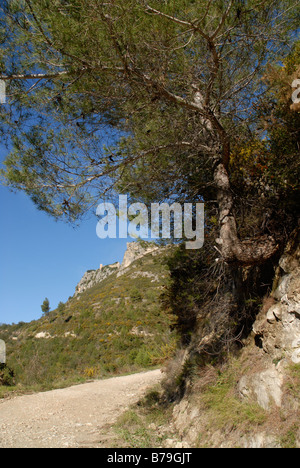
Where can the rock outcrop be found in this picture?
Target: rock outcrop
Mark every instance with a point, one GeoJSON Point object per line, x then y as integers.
{"type": "Point", "coordinates": [267, 375]}
{"type": "Point", "coordinates": [277, 332]}
{"type": "Point", "coordinates": [135, 250]}
{"type": "Point", "coordinates": [93, 277]}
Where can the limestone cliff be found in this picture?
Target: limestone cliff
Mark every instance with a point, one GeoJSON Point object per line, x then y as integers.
{"type": "Point", "coordinates": [93, 277]}
{"type": "Point", "coordinates": [135, 250]}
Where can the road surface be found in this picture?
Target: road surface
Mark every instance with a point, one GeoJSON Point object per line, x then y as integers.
{"type": "Point", "coordinates": [74, 417]}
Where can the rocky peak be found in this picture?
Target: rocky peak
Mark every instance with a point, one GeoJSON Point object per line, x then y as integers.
{"type": "Point", "coordinates": [135, 250]}
{"type": "Point", "coordinates": [92, 277]}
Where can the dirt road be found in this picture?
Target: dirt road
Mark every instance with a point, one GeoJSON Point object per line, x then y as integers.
{"type": "Point", "coordinates": [79, 416]}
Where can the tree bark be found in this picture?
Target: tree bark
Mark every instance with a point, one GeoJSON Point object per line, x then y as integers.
{"type": "Point", "coordinates": [247, 252]}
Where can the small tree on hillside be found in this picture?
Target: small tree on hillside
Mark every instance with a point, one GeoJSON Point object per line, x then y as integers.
{"type": "Point", "coordinates": [45, 306]}
{"type": "Point", "coordinates": [61, 307]}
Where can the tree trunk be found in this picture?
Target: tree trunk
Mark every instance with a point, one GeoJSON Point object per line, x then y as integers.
{"type": "Point", "coordinates": [233, 250]}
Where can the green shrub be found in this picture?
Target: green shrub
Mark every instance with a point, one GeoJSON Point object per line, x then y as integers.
{"type": "Point", "coordinates": [61, 307]}
{"type": "Point", "coordinates": [143, 358]}
{"type": "Point", "coordinates": [135, 295]}
{"type": "Point", "coordinates": [7, 376]}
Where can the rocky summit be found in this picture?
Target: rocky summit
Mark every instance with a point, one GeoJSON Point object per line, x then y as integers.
{"type": "Point", "coordinates": [135, 250]}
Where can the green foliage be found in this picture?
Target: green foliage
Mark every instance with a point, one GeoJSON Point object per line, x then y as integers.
{"type": "Point", "coordinates": [143, 358]}
{"type": "Point", "coordinates": [188, 287]}
{"type": "Point", "coordinates": [61, 307]}
{"type": "Point", "coordinates": [136, 295]}
{"type": "Point", "coordinates": [6, 376]}
{"type": "Point", "coordinates": [118, 105]}
{"type": "Point", "coordinates": [255, 164]}
{"type": "Point", "coordinates": [45, 307]}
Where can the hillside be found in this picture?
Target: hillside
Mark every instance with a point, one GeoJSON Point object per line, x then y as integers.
{"type": "Point", "coordinates": [114, 326]}
{"type": "Point", "coordinates": [252, 399]}
{"type": "Point", "coordinates": [243, 394]}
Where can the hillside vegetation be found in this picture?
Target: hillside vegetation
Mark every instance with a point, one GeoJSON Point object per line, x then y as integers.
{"type": "Point", "coordinates": [115, 327]}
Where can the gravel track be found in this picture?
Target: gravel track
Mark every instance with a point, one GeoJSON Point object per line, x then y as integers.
{"type": "Point", "coordinates": [74, 417]}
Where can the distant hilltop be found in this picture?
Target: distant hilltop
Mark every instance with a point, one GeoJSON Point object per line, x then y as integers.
{"type": "Point", "coordinates": [135, 250]}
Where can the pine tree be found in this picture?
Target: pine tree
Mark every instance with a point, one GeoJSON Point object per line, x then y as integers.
{"type": "Point", "coordinates": [146, 98]}
{"type": "Point", "coordinates": [45, 306]}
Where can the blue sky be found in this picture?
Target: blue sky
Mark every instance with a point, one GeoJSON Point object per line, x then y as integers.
{"type": "Point", "coordinates": [41, 258]}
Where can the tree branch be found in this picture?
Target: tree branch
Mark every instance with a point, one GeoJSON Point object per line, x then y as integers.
{"type": "Point", "coordinates": [33, 76]}
{"type": "Point", "coordinates": [223, 19]}
{"type": "Point", "coordinates": [49, 76]}
{"type": "Point", "coordinates": [191, 25]}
